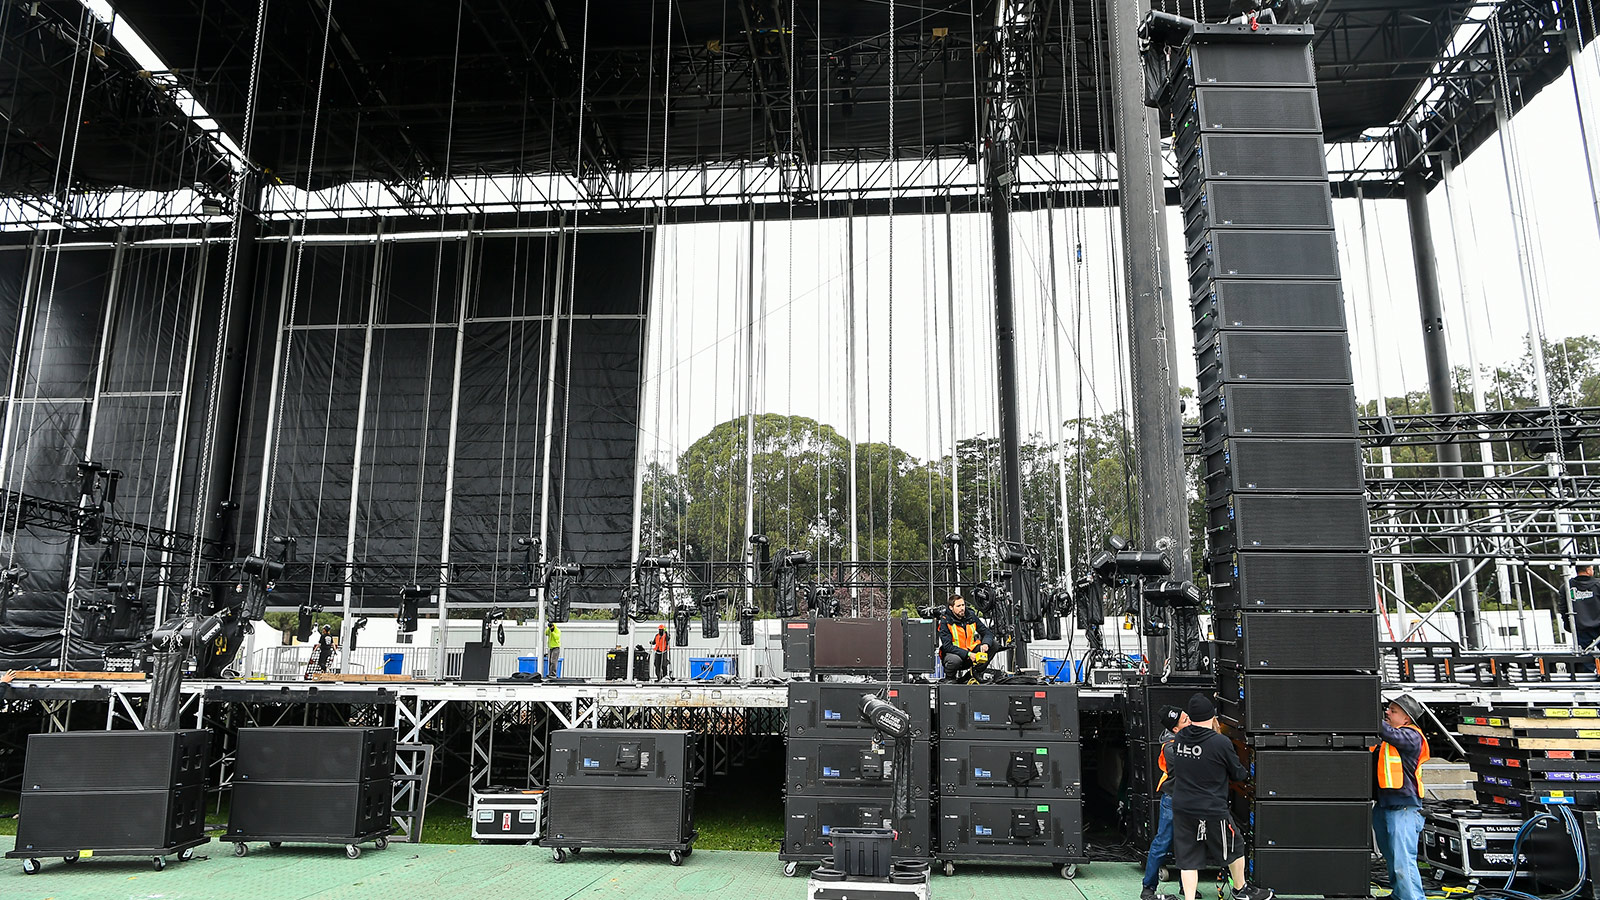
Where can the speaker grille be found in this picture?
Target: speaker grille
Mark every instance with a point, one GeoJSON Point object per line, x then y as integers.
{"type": "Point", "coordinates": [1278, 356]}
{"type": "Point", "coordinates": [1264, 254]}
{"type": "Point", "coordinates": [1313, 774]}
{"type": "Point", "coordinates": [115, 760]}
{"type": "Point", "coordinates": [1298, 641]}
{"type": "Point", "coordinates": [1290, 522]}
{"type": "Point", "coordinates": [1274, 464]}
{"type": "Point", "coordinates": [620, 816]}
{"type": "Point", "coordinates": [110, 820]}
{"type": "Point", "coordinates": [315, 754]}
{"type": "Point", "coordinates": [1325, 704]}
{"type": "Point", "coordinates": [1252, 63]}
{"type": "Point", "coordinates": [1237, 410]}
{"type": "Point", "coordinates": [1258, 204]}
{"type": "Point", "coordinates": [1279, 581]}
{"type": "Point", "coordinates": [1249, 305]}
{"type": "Point", "coordinates": [1335, 873]}
{"type": "Point", "coordinates": [1296, 824]}
{"type": "Point", "coordinates": [1272, 156]}
{"type": "Point", "coordinates": [1257, 109]}
{"type": "Point", "coordinates": [267, 809]}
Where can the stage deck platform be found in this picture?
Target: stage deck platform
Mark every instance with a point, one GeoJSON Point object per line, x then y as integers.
{"type": "Point", "coordinates": [484, 872]}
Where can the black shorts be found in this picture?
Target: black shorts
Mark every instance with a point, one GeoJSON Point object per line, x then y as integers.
{"type": "Point", "coordinates": [1204, 842]}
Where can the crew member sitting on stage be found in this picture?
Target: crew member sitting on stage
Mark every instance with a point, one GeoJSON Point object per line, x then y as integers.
{"type": "Point", "coordinates": [1202, 763]}
{"type": "Point", "coordinates": [1172, 720]}
{"type": "Point", "coordinates": [1584, 594]}
{"type": "Point", "coordinates": [961, 634]}
{"type": "Point", "coordinates": [660, 645]}
{"type": "Point", "coordinates": [1397, 806]}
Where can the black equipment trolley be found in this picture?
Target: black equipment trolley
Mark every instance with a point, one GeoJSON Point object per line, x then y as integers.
{"type": "Point", "coordinates": [621, 789]}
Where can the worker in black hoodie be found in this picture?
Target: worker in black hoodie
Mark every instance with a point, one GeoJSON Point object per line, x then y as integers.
{"type": "Point", "coordinates": [1583, 592]}
{"type": "Point", "coordinates": [1202, 763]}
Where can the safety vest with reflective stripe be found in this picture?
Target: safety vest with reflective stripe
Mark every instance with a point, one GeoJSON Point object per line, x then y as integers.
{"type": "Point", "coordinates": [1392, 766]}
{"type": "Point", "coordinates": [964, 636]}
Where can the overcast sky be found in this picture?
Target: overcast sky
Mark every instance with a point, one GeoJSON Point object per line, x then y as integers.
{"type": "Point", "coordinates": [940, 292]}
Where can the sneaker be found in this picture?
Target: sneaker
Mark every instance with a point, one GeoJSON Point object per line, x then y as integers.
{"type": "Point", "coordinates": [1253, 892]}
{"type": "Point", "coordinates": [1148, 893]}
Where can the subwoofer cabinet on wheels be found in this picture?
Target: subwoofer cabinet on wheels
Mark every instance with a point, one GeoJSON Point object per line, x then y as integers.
{"type": "Point", "coordinates": [112, 793]}
{"type": "Point", "coordinates": [621, 789]}
{"type": "Point", "coordinates": [314, 786]}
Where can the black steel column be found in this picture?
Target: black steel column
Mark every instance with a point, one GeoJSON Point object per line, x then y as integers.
{"type": "Point", "coordinates": [1441, 390]}
{"type": "Point", "coordinates": [1152, 344]}
{"type": "Point", "coordinates": [1005, 342]}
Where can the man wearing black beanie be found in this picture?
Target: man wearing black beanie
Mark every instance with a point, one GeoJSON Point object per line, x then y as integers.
{"type": "Point", "coordinates": [1202, 763]}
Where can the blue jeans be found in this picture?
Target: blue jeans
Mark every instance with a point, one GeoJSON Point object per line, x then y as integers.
{"type": "Point", "coordinates": [1160, 845]}
{"type": "Point", "coordinates": [1397, 829]}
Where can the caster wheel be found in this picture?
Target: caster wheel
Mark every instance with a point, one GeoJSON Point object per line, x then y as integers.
{"type": "Point", "coordinates": [30, 867]}
{"type": "Point", "coordinates": [1165, 873]}
{"type": "Point", "coordinates": [352, 851]}
{"type": "Point", "coordinates": [675, 857]}
{"type": "Point", "coordinates": [1069, 871]}
{"type": "Point", "coordinates": [274, 844]}
{"type": "Point", "coordinates": [159, 863]}
{"type": "Point", "coordinates": [71, 858]}
{"type": "Point", "coordinates": [688, 852]}
{"type": "Point", "coordinates": [949, 868]}
{"type": "Point", "coordinates": [559, 855]}
{"type": "Point", "coordinates": [241, 849]}
{"type": "Point", "coordinates": [790, 869]}
{"type": "Point", "coordinates": [186, 854]}
{"type": "Point", "coordinates": [575, 851]}
{"type": "Point", "coordinates": [382, 843]}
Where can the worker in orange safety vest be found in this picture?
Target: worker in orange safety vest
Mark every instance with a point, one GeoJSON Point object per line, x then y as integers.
{"type": "Point", "coordinates": [1397, 794]}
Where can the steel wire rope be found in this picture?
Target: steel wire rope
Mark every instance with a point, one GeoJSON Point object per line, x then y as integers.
{"type": "Point", "coordinates": [894, 189]}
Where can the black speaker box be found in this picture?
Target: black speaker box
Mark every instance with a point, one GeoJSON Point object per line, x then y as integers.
{"type": "Point", "coordinates": [1255, 580]}
{"type": "Point", "coordinates": [617, 664]}
{"type": "Point", "coordinates": [1251, 157]}
{"type": "Point", "coordinates": [1312, 774]}
{"type": "Point", "coordinates": [797, 646]}
{"type": "Point", "coordinates": [1141, 817]}
{"type": "Point", "coordinates": [1552, 863]}
{"type": "Point", "coordinates": [641, 663]}
{"type": "Point", "coordinates": [583, 814]}
{"type": "Point", "coordinates": [277, 810]}
{"type": "Point", "coordinates": [1048, 830]}
{"type": "Point", "coordinates": [1297, 641]}
{"type": "Point", "coordinates": [115, 760]}
{"type": "Point", "coordinates": [824, 710]}
{"type": "Point", "coordinates": [1284, 357]}
{"type": "Point", "coordinates": [334, 755]}
{"type": "Point", "coordinates": [1285, 62]}
{"type": "Point", "coordinates": [70, 821]}
{"type": "Point", "coordinates": [1260, 253]}
{"type": "Point", "coordinates": [1243, 305]}
{"type": "Point", "coordinates": [1303, 466]}
{"type": "Point", "coordinates": [1332, 873]}
{"type": "Point", "coordinates": [1014, 768]}
{"type": "Point", "coordinates": [1247, 109]}
{"type": "Point", "coordinates": [1272, 410]}
{"type": "Point", "coordinates": [837, 766]}
{"type": "Point", "coordinates": [1301, 824]}
{"type": "Point", "coordinates": [619, 756]}
{"type": "Point", "coordinates": [807, 822]}
{"type": "Point", "coordinates": [1288, 522]}
{"type": "Point", "coordinates": [1313, 704]}
{"type": "Point", "coordinates": [1256, 204]}
{"type": "Point", "coordinates": [476, 657]}
{"type": "Point", "coordinates": [1029, 712]}
{"type": "Point", "coordinates": [857, 646]}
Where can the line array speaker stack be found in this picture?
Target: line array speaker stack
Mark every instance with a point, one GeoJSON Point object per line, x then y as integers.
{"type": "Point", "coordinates": [1009, 774]}
{"type": "Point", "coordinates": [1290, 570]}
{"type": "Point", "coordinates": [1141, 705]}
{"type": "Point", "coordinates": [313, 785]}
{"type": "Point", "coordinates": [623, 788]}
{"type": "Point", "coordinates": [838, 777]}
{"type": "Point", "coordinates": [115, 793]}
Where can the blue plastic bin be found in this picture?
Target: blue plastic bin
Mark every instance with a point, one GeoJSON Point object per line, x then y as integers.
{"type": "Point", "coordinates": [1063, 669]}
{"type": "Point", "coordinates": [560, 664]}
{"type": "Point", "coordinates": [705, 668]}
{"type": "Point", "coordinates": [529, 664]}
{"type": "Point", "coordinates": [393, 663]}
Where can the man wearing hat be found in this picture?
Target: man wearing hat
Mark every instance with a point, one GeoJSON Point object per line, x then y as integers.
{"type": "Point", "coordinates": [1172, 720]}
{"type": "Point", "coordinates": [659, 645]}
{"type": "Point", "coordinates": [1202, 763]}
{"type": "Point", "coordinates": [1583, 594]}
{"type": "Point", "coordinates": [1397, 794]}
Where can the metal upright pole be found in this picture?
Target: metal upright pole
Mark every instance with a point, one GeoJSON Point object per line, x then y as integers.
{"type": "Point", "coordinates": [1158, 422]}
{"type": "Point", "coordinates": [1441, 390]}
